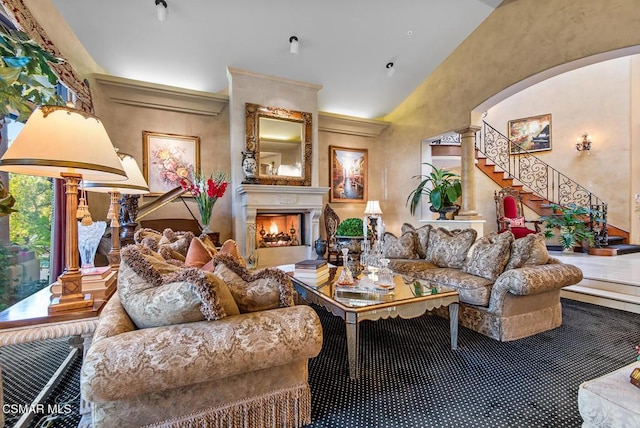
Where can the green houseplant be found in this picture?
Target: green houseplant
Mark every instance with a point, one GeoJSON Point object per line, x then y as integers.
{"type": "Point", "coordinates": [441, 186]}
{"type": "Point", "coordinates": [571, 222]}
{"type": "Point", "coordinates": [349, 234]}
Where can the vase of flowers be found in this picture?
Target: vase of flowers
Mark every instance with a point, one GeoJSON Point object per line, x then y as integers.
{"type": "Point", "coordinates": [206, 191]}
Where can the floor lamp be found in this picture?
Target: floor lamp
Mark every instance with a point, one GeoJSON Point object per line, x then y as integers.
{"type": "Point", "coordinates": [135, 184]}
{"type": "Point", "coordinates": [61, 142]}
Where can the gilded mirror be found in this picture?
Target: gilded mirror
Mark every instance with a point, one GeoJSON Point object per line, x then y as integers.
{"type": "Point", "coordinates": [280, 140]}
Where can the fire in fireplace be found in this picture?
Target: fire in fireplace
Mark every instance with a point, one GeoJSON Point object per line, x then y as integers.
{"type": "Point", "coordinates": [279, 230]}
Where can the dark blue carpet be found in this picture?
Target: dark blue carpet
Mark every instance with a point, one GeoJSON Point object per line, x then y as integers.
{"type": "Point", "coordinates": [411, 378]}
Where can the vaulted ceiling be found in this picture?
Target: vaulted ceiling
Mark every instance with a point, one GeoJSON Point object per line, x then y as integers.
{"type": "Point", "coordinates": [343, 45]}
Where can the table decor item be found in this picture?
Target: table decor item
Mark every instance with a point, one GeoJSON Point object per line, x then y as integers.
{"type": "Point", "coordinates": [206, 191]}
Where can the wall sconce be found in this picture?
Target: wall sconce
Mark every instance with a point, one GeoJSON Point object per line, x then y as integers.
{"type": "Point", "coordinates": [390, 69]}
{"type": "Point", "coordinates": [584, 144]}
{"type": "Point", "coordinates": [293, 45]}
{"type": "Point", "coordinates": [161, 9]}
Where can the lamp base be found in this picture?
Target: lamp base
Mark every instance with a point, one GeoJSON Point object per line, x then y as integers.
{"type": "Point", "coordinates": [72, 298]}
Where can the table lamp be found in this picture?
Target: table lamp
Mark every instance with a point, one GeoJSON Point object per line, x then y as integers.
{"type": "Point", "coordinates": [135, 184]}
{"type": "Point", "coordinates": [62, 142]}
{"type": "Point", "coordinates": [373, 211]}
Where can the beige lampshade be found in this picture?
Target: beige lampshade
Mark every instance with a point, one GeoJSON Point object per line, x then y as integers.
{"type": "Point", "coordinates": [135, 183]}
{"type": "Point", "coordinates": [57, 140]}
{"type": "Point", "coordinates": [373, 208]}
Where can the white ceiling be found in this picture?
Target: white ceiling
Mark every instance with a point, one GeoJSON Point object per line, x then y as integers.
{"type": "Point", "coordinates": [344, 44]}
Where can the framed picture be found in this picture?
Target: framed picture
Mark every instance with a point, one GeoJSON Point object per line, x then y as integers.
{"type": "Point", "coordinates": [348, 174]}
{"type": "Point", "coordinates": [532, 134]}
{"type": "Point", "coordinates": [168, 158]}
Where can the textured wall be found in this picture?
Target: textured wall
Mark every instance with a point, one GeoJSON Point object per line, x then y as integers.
{"type": "Point", "coordinates": [520, 39]}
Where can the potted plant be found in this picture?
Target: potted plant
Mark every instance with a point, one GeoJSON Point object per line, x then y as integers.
{"type": "Point", "coordinates": [349, 234]}
{"type": "Point", "coordinates": [572, 223]}
{"type": "Point", "coordinates": [443, 189]}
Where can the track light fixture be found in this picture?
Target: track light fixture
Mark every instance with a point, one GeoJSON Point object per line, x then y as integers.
{"type": "Point", "coordinates": [390, 69]}
{"type": "Point", "coordinates": [161, 9]}
{"type": "Point", "coordinates": [293, 45]}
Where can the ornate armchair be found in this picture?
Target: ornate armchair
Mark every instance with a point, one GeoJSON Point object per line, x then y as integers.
{"type": "Point", "coordinates": [510, 213]}
{"type": "Point", "coordinates": [331, 222]}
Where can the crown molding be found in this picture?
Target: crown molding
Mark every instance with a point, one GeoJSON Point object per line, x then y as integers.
{"type": "Point", "coordinates": [160, 97]}
{"type": "Point", "coordinates": [341, 124]}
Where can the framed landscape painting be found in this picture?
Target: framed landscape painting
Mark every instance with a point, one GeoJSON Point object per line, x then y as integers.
{"type": "Point", "coordinates": [348, 174]}
{"type": "Point", "coordinates": [531, 134]}
{"type": "Point", "coordinates": [168, 158]}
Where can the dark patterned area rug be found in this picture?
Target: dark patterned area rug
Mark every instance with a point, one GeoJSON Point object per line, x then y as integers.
{"type": "Point", "coordinates": [409, 377]}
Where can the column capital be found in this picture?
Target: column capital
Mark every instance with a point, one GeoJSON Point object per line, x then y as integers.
{"type": "Point", "coordinates": [468, 129]}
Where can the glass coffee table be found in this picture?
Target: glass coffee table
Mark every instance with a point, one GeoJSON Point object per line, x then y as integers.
{"type": "Point", "coordinates": [366, 300]}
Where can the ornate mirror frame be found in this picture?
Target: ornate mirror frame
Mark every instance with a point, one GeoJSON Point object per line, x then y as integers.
{"type": "Point", "coordinates": [253, 113]}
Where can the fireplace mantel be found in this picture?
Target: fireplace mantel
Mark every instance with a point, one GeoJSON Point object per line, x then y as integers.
{"type": "Point", "coordinates": [256, 198]}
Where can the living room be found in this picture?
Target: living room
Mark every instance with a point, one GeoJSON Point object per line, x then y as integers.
{"type": "Point", "coordinates": [500, 69]}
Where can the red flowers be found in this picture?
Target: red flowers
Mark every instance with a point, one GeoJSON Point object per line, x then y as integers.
{"type": "Point", "coordinates": [206, 192]}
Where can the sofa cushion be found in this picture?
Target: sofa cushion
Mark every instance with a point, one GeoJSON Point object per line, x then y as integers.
{"type": "Point", "coordinates": [155, 292]}
{"type": "Point", "coordinates": [198, 254]}
{"type": "Point", "coordinates": [268, 288]}
{"type": "Point", "coordinates": [472, 289]}
{"type": "Point", "coordinates": [410, 266]}
{"type": "Point", "coordinates": [403, 247]}
{"type": "Point", "coordinates": [530, 250]}
{"type": "Point", "coordinates": [423, 237]}
{"type": "Point", "coordinates": [449, 248]}
{"type": "Point", "coordinates": [489, 255]}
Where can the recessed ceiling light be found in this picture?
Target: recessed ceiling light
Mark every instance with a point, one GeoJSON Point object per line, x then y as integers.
{"type": "Point", "coordinates": [409, 33]}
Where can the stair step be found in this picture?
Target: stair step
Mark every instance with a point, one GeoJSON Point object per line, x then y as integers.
{"type": "Point", "coordinates": [605, 298]}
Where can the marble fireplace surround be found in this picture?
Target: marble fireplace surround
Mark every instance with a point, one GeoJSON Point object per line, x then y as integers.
{"type": "Point", "coordinates": [254, 199]}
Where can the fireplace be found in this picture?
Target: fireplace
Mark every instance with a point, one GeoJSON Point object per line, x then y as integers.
{"type": "Point", "coordinates": [279, 230]}
{"type": "Point", "coordinates": [288, 207]}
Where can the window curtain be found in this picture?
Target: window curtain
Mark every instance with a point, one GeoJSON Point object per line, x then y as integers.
{"type": "Point", "coordinates": [25, 21]}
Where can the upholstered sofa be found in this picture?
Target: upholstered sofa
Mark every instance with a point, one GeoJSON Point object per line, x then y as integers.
{"type": "Point", "coordinates": [509, 288]}
{"type": "Point", "coordinates": [180, 346]}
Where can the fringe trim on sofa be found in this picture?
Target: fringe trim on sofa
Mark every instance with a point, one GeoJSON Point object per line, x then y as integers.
{"type": "Point", "coordinates": [203, 286]}
{"type": "Point", "coordinates": [284, 283]}
{"type": "Point", "coordinates": [286, 408]}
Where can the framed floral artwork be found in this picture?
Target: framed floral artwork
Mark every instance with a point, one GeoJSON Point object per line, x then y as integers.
{"type": "Point", "coordinates": [167, 158]}
{"type": "Point", "coordinates": [531, 134]}
{"type": "Point", "coordinates": [348, 174]}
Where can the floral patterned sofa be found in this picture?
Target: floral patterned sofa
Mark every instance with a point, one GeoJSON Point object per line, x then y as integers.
{"type": "Point", "coordinates": [185, 346]}
{"type": "Point", "coordinates": [509, 288]}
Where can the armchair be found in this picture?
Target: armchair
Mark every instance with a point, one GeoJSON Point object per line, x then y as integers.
{"type": "Point", "coordinates": [331, 222]}
{"type": "Point", "coordinates": [510, 213]}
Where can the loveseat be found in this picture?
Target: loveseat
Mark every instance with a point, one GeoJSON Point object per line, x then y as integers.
{"type": "Point", "coordinates": [509, 288]}
{"type": "Point", "coordinates": [181, 346]}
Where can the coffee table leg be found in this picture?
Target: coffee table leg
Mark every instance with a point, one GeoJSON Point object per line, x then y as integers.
{"type": "Point", "coordinates": [453, 325]}
{"type": "Point", "coordinates": [353, 346]}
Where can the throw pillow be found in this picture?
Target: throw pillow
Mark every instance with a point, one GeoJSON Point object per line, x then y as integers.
{"type": "Point", "coordinates": [254, 291]}
{"type": "Point", "coordinates": [517, 222]}
{"type": "Point", "coordinates": [449, 248]}
{"type": "Point", "coordinates": [423, 237]}
{"type": "Point", "coordinates": [198, 254]}
{"type": "Point", "coordinates": [489, 255]}
{"type": "Point", "coordinates": [403, 247]}
{"type": "Point", "coordinates": [156, 293]}
{"type": "Point", "coordinates": [231, 248]}
{"type": "Point", "coordinates": [530, 250]}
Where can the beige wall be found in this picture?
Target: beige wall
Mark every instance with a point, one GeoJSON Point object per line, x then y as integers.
{"type": "Point", "coordinates": [501, 52]}
{"type": "Point", "coordinates": [125, 124]}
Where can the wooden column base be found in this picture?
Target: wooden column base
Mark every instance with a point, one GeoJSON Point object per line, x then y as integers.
{"type": "Point", "coordinates": [72, 298]}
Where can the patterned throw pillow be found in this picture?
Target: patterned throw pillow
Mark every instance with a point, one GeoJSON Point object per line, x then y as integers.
{"type": "Point", "coordinates": [449, 248]}
{"type": "Point", "coordinates": [530, 250]}
{"type": "Point", "coordinates": [254, 291]}
{"type": "Point", "coordinates": [489, 255]}
{"type": "Point", "coordinates": [517, 222]}
{"type": "Point", "coordinates": [156, 293]}
{"type": "Point", "coordinates": [423, 237]}
{"type": "Point", "coordinates": [403, 247]}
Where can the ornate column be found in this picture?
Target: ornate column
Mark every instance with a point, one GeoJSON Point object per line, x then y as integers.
{"type": "Point", "coordinates": [467, 174]}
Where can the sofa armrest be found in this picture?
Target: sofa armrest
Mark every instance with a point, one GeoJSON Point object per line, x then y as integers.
{"type": "Point", "coordinates": [162, 358]}
{"type": "Point", "coordinates": [529, 280]}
